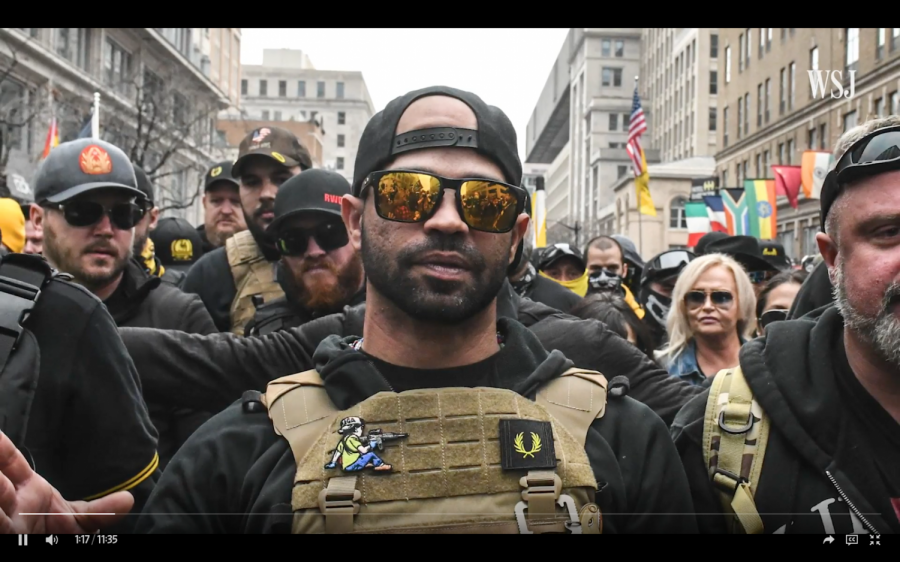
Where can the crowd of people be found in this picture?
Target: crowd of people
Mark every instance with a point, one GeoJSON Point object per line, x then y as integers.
{"type": "Point", "coordinates": [322, 355]}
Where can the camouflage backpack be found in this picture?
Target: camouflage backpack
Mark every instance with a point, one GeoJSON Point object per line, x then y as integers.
{"type": "Point", "coordinates": [446, 460]}
{"type": "Point", "coordinates": [735, 435]}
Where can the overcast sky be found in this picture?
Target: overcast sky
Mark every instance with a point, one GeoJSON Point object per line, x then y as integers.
{"type": "Point", "coordinates": [505, 67]}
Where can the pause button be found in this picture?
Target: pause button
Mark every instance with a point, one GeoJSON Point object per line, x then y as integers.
{"type": "Point", "coordinates": [23, 540]}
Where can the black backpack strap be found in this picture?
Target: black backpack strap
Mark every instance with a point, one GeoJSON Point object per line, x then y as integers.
{"type": "Point", "coordinates": [22, 276]}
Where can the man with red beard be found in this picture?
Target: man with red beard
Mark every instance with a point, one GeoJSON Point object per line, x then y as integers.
{"type": "Point", "coordinates": [319, 270]}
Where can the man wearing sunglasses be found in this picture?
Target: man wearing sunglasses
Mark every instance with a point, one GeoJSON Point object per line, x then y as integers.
{"type": "Point", "coordinates": [438, 221]}
{"type": "Point", "coordinates": [657, 283]}
{"type": "Point", "coordinates": [828, 383]}
{"type": "Point", "coordinates": [86, 205]}
{"type": "Point", "coordinates": [233, 279]}
{"type": "Point", "coordinates": [320, 271]}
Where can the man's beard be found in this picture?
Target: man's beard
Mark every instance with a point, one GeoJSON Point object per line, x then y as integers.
{"type": "Point", "coordinates": [318, 298]}
{"type": "Point", "coordinates": [254, 226]}
{"type": "Point", "coordinates": [881, 332]}
{"type": "Point", "coordinates": [140, 242]}
{"type": "Point", "coordinates": [432, 300]}
{"type": "Point", "coordinates": [67, 260]}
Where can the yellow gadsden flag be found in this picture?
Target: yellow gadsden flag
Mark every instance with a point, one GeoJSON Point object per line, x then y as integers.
{"type": "Point", "coordinates": [642, 184]}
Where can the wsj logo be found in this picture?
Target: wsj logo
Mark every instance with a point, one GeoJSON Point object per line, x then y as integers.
{"type": "Point", "coordinates": [819, 78]}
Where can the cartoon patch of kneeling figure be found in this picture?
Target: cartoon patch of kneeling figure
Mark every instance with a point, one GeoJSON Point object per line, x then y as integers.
{"type": "Point", "coordinates": [355, 452]}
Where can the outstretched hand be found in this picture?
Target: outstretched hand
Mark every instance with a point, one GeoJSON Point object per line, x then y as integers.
{"type": "Point", "coordinates": [23, 491]}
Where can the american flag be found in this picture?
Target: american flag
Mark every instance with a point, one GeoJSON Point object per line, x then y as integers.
{"type": "Point", "coordinates": [635, 130]}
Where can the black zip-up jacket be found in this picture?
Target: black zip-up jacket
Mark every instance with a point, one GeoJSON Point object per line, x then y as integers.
{"type": "Point", "coordinates": [145, 301]}
{"type": "Point", "coordinates": [803, 487]}
{"type": "Point", "coordinates": [284, 314]}
{"type": "Point", "coordinates": [210, 372]}
{"type": "Point", "coordinates": [206, 244]}
{"type": "Point", "coordinates": [235, 474]}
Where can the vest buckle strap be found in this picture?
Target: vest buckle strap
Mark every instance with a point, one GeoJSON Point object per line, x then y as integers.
{"type": "Point", "coordinates": [339, 503]}
{"type": "Point", "coordinates": [573, 525]}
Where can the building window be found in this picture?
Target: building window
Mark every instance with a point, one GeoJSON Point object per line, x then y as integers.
{"type": "Point", "coordinates": [713, 46]}
{"type": "Point", "coordinates": [320, 90]}
{"type": "Point", "coordinates": [612, 77]}
{"type": "Point", "coordinates": [759, 165]}
{"type": "Point", "coordinates": [621, 170]}
{"type": "Point", "coordinates": [740, 116]}
{"type": "Point", "coordinates": [265, 115]}
{"type": "Point", "coordinates": [781, 153]}
{"type": "Point", "coordinates": [613, 121]}
{"type": "Point", "coordinates": [765, 164]}
{"type": "Point", "coordinates": [340, 91]}
{"type": "Point", "coordinates": [814, 58]}
{"type": "Point", "coordinates": [116, 66]}
{"type": "Point", "coordinates": [606, 48]}
{"type": "Point", "coordinates": [782, 102]}
{"type": "Point", "coordinates": [342, 118]}
{"type": "Point", "coordinates": [879, 107]}
{"type": "Point", "coordinates": [620, 49]}
{"type": "Point", "coordinates": [813, 142]}
{"type": "Point", "coordinates": [282, 88]}
{"type": "Point", "coordinates": [741, 53]}
{"type": "Point", "coordinates": [768, 96]}
{"type": "Point", "coordinates": [712, 119]}
{"type": "Point", "coordinates": [713, 82]}
{"type": "Point", "coordinates": [762, 41]}
{"type": "Point", "coordinates": [746, 114]}
{"type": "Point", "coordinates": [793, 85]}
{"type": "Point", "coordinates": [277, 116]}
{"type": "Point", "coordinates": [301, 88]}
{"type": "Point", "coordinates": [244, 87]}
{"type": "Point", "coordinates": [790, 152]}
{"type": "Point", "coordinates": [879, 42]}
{"type": "Point", "coordinates": [851, 55]}
{"type": "Point", "coordinates": [263, 88]}
{"type": "Point", "coordinates": [727, 65]}
{"type": "Point", "coordinates": [725, 127]}
{"type": "Point", "coordinates": [340, 141]}
{"type": "Point", "coordinates": [724, 177]}
{"type": "Point", "coordinates": [823, 138]}
{"type": "Point", "coordinates": [677, 219]}
{"type": "Point", "coordinates": [759, 105]}
{"type": "Point", "coordinates": [895, 104]}
{"type": "Point", "coordinates": [849, 121]}
{"type": "Point", "coordinates": [73, 44]}
{"type": "Point", "coordinates": [769, 40]}
{"type": "Point", "coordinates": [746, 170]}
{"type": "Point", "coordinates": [749, 46]}
{"type": "Point", "coordinates": [740, 177]}
{"type": "Point", "coordinates": [895, 38]}
{"type": "Point", "coordinates": [340, 163]}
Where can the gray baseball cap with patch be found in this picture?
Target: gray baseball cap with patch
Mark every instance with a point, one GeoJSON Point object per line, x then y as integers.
{"type": "Point", "coordinates": [80, 166]}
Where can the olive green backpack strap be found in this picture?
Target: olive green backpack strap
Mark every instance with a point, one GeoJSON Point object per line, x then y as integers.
{"type": "Point", "coordinates": [300, 409]}
{"type": "Point", "coordinates": [576, 398]}
{"type": "Point", "coordinates": [735, 435]}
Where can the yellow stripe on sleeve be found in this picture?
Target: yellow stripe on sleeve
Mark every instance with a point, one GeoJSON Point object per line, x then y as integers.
{"type": "Point", "coordinates": [131, 483]}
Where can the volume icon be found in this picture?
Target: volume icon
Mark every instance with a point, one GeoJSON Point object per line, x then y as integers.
{"type": "Point", "coordinates": [52, 539]}
{"type": "Point", "coordinates": [23, 540]}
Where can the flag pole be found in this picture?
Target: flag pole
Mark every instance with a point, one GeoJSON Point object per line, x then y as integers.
{"type": "Point", "coordinates": [95, 118]}
{"type": "Point", "coordinates": [638, 203]}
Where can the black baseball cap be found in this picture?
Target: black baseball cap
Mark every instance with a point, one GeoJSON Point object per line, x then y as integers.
{"type": "Point", "coordinates": [83, 165]}
{"type": "Point", "coordinates": [495, 137]}
{"type": "Point", "coordinates": [773, 252]}
{"type": "Point", "coordinates": [310, 191]}
{"type": "Point", "coordinates": [178, 244]}
{"type": "Point", "coordinates": [278, 144]}
{"type": "Point", "coordinates": [145, 185]}
{"type": "Point", "coordinates": [556, 252]}
{"type": "Point", "coordinates": [706, 240]}
{"type": "Point", "coordinates": [221, 172]}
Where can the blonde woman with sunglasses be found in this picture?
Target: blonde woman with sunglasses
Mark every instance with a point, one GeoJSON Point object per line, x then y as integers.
{"type": "Point", "coordinates": [712, 315]}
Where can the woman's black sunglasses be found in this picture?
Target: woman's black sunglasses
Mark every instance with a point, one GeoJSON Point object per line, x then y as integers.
{"type": "Point", "coordinates": [123, 216]}
{"type": "Point", "coordinates": [328, 236]}
{"type": "Point", "coordinates": [413, 196]}
{"type": "Point", "coordinates": [774, 315]}
{"type": "Point", "coordinates": [720, 299]}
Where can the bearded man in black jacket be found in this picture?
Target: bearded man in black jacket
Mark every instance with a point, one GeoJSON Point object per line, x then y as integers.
{"type": "Point", "coordinates": [829, 382]}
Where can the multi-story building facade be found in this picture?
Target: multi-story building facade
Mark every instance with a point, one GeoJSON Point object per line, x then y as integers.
{"type": "Point", "coordinates": [586, 105]}
{"type": "Point", "coordinates": [770, 115]}
{"type": "Point", "coordinates": [142, 75]}
{"type": "Point", "coordinates": [679, 86]}
{"type": "Point", "coordinates": [287, 87]}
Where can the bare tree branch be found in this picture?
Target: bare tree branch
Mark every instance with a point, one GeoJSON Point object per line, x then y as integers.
{"type": "Point", "coordinates": [17, 113]}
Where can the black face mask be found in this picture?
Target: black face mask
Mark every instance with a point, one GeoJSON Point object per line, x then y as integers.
{"type": "Point", "coordinates": [657, 307]}
{"type": "Point", "coordinates": [605, 281]}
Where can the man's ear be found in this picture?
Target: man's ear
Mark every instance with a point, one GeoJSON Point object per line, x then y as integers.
{"type": "Point", "coordinates": [827, 248]}
{"type": "Point", "coordinates": [351, 212]}
{"type": "Point", "coordinates": [518, 234]}
{"type": "Point", "coordinates": [154, 217]}
{"type": "Point", "coordinates": [37, 216]}
{"type": "Point", "coordinates": [624, 270]}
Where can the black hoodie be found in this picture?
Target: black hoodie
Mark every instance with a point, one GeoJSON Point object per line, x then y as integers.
{"type": "Point", "coordinates": [236, 464]}
{"type": "Point", "coordinates": [818, 461]}
{"type": "Point", "coordinates": [210, 372]}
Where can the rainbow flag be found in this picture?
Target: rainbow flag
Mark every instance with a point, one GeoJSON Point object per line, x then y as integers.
{"type": "Point", "coordinates": [762, 208]}
{"type": "Point", "coordinates": [737, 219]}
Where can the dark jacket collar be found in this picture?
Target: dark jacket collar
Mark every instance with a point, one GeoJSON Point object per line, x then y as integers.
{"type": "Point", "coordinates": [133, 289]}
{"type": "Point", "coordinates": [350, 378]}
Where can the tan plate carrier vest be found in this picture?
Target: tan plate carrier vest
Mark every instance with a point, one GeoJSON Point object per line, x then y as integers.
{"type": "Point", "coordinates": [253, 275]}
{"type": "Point", "coordinates": [446, 476]}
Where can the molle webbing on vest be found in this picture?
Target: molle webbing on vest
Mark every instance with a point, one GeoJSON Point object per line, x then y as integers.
{"type": "Point", "coordinates": [735, 435]}
{"type": "Point", "coordinates": [253, 275]}
{"type": "Point", "coordinates": [446, 475]}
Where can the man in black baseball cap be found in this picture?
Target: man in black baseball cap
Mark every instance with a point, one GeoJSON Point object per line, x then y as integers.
{"type": "Point", "coordinates": [143, 248]}
{"type": "Point", "coordinates": [319, 270]}
{"type": "Point", "coordinates": [177, 246]}
{"type": "Point", "coordinates": [222, 214]}
{"type": "Point", "coordinates": [438, 217]}
{"type": "Point", "coordinates": [233, 279]}
{"type": "Point", "coordinates": [773, 252]}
